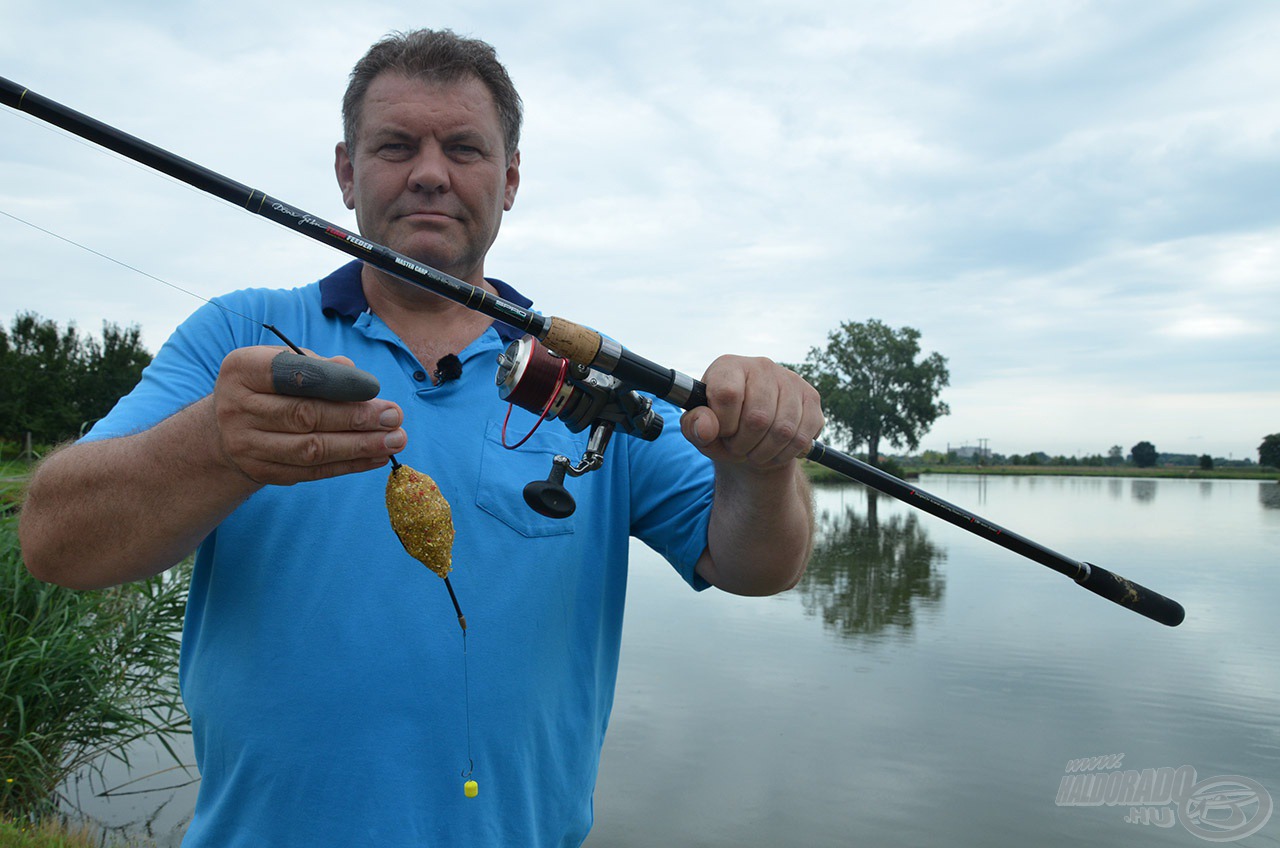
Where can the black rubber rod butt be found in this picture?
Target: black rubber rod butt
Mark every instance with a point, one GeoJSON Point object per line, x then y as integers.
{"type": "Point", "coordinates": [1097, 580]}
{"type": "Point", "coordinates": [1138, 598]}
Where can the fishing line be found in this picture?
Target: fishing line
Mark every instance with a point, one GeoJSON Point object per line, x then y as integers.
{"type": "Point", "coordinates": [173, 286]}
{"type": "Point", "coordinates": [466, 696]}
{"type": "Point", "coordinates": [470, 788]}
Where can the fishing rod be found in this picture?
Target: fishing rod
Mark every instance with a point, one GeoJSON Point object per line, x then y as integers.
{"type": "Point", "coordinates": [595, 378]}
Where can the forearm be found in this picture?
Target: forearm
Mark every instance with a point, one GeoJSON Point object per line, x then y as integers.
{"type": "Point", "coordinates": [761, 531]}
{"type": "Point", "coordinates": [104, 513]}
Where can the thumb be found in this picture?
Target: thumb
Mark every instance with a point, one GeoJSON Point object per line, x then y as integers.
{"type": "Point", "coordinates": [700, 426]}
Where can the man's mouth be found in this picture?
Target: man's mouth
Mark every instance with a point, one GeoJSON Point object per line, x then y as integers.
{"type": "Point", "coordinates": [428, 215]}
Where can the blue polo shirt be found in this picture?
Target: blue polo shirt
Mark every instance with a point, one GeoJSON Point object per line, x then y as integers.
{"type": "Point", "coordinates": [323, 667]}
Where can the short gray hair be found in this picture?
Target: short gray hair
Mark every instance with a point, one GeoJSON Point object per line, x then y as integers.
{"type": "Point", "coordinates": [434, 56]}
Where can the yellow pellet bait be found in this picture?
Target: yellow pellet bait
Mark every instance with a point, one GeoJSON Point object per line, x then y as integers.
{"type": "Point", "coordinates": [471, 789]}
{"type": "Point", "coordinates": [421, 518]}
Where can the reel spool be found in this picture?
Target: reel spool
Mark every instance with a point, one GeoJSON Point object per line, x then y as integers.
{"type": "Point", "coordinates": [533, 378]}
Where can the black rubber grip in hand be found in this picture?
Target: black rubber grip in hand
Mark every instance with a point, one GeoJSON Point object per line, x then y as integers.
{"type": "Point", "coordinates": [310, 376]}
{"type": "Point", "coordinates": [1136, 597]}
{"type": "Point", "coordinates": [697, 395]}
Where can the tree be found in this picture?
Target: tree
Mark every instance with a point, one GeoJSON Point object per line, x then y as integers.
{"type": "Point", "coordinates": [1144, 454]}
{"type": "Point", "coordinates": [1115, 456]}
{"type": "Point", "coordinates": [111, 370]}
{"type": "Point", "coordinates": [1206, 462]}
{"type": "Point", "coordinates": [53, 381]}
{"type": "Point", "coordinates": [1269, 450]}
{"type": "Point", "coordinates": [873, 388]}
{"type": "Point", "coordinates": [37, 394]}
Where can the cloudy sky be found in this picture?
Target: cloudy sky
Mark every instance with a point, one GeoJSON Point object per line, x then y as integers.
{"type": "Point", "coordinates": [1075, 202]}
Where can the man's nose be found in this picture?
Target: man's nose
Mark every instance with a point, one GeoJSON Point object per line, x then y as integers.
{"type": "Point", "coordinates": [430, 171]}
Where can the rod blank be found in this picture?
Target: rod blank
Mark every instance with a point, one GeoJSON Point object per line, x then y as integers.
{"type": "Point", "coordinates": [577, 343]}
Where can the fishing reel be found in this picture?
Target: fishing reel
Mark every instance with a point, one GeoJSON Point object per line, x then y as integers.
{"type": "Point", "coordinates": [533, 378]}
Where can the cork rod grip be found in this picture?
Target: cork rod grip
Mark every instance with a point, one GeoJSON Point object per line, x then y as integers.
{"type": "Point", "coordinates": [572, 341]}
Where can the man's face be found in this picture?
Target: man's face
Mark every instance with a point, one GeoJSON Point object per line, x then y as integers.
{"type": "Point", "coordinates": [429, 177]}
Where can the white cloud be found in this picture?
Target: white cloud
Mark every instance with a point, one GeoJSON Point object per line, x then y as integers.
{"type": "Point", "coordinates": [1206, 325]}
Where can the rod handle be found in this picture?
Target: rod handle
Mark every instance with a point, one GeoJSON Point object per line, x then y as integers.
{"type": "Point", "coordinates": [1132, 595]}
{"type": "Point", "coordinates": [572, 341]}
{"type": "Point", "coordinates": [697, 395]}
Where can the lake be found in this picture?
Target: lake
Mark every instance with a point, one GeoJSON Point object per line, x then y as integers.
{"type": "Point", "coordinates": [922, 686]}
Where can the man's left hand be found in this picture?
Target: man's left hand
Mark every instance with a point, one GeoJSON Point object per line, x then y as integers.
{"type": "Point", "coordinates": [758, 414]}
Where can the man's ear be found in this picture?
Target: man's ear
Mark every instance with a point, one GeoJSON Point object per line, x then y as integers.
{"type": "Point", "coordinates": [345, 172]}
{"type": "Point", "coordinates": [513, 182]}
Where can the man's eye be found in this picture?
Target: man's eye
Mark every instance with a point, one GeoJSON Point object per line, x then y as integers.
{"type": "Point", "coordinates": [464, 151]}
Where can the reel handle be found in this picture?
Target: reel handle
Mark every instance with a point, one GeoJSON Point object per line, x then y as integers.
{"type": "Point", "coordinates": [549, 497]}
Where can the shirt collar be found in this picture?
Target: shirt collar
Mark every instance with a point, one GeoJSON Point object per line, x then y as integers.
{"type": "Point", "coordinates": [342, 294]}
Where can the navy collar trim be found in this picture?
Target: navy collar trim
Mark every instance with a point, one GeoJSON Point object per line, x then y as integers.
{"type": "Point", "coordinates": [342, 294]}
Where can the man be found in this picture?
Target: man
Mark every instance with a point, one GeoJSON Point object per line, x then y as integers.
{"type": "Point", "coordinates": [321, 666]}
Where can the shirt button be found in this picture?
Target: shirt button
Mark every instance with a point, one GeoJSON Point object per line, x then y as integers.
{"type": "Point", "coordinates": [419, 375]}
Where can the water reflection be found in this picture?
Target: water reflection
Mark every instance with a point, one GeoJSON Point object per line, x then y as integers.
{"type": "Point", "coordinates": [1269, 495]}
{"type": "Point", "coordinates": [1143, 491]}
{"type": "Point", "coordinates": [870, 576]}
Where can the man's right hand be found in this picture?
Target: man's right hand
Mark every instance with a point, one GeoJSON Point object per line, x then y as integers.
{"type": "Point", "coordinates": [110, 511]}
{"type": "Point", "coordinates": [280, 439]}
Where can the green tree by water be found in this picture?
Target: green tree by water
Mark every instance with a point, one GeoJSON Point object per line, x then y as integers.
{"type": "Point", "coordinates": [1144, 454]}
{"type": "Point", "coordinates": [54, 382]}
{"type": "Point", "coordinates": [1269, 450]}
{"type": "Point", "coordinates": [875, 387]}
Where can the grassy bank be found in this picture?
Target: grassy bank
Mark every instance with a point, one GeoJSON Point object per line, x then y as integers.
{"type": "Point", "coordinates": [49, 834]}
{"type": "Point", "coordinates": [818, 473]}
{"type": "Point", "coordinates": [1178, 472]}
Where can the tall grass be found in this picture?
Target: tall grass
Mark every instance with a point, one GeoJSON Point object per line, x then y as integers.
{"type": "Point", "coordinates": [46, 834]}
{"type": "Point", "coordinates": [82, 674]}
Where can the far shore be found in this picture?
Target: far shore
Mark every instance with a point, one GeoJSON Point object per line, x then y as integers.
{"type": "Point", "coordinates": [818, 473]}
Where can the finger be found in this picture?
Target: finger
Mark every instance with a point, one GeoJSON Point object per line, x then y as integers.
{"type": "Point", "coordinates": [811, 423]}
{"type": "Point", "coordinates": [757, 418]}
{"type": "Point", "coordinates": [317, 449]}
{"type": "Point", "coordinates": [310, 376]}
{"type": "Point", "coordinates": [281, 414]}
{"type": "Point", "coordinates": [284, 459]}
{"type": "Point", "coordinates": [288, 475]}
{"type": "Point", "coordinates": [266, 369]}
{"type": "Point", "coordinates": [725, 380]}
{"type": "Point", "coordinates": [778, 445]}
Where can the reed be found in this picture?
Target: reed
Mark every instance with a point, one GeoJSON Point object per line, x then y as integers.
{"type": "Point", "coordinates": [82, 674]}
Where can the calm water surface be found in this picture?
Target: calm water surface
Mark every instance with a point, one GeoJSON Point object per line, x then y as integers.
{"type": "Point", "coordinates": [924, 687]}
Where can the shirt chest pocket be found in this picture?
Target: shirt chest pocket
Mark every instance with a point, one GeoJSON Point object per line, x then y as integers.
{"type": "Point", "coordinates": [504, 474]}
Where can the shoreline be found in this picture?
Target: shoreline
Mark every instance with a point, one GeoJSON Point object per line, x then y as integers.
{"type": "Point", "coordinates": [819, 474]}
